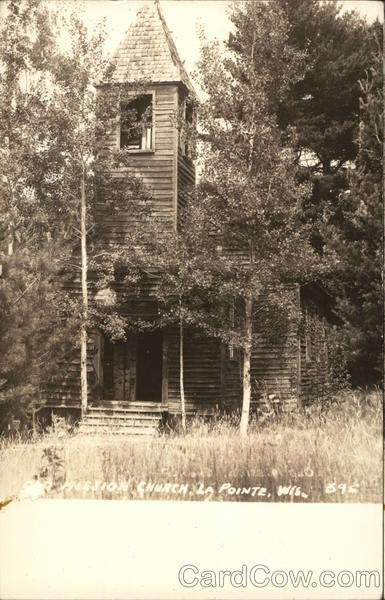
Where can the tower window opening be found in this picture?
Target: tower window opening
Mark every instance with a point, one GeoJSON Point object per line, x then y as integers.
{"type": "Point", "coordinates": [136, 123]}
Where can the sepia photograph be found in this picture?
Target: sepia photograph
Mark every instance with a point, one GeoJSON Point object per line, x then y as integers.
{"type": "Point", "coordinates": [191, 301]}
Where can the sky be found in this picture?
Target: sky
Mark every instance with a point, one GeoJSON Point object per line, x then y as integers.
{"type": "Point", "coordinates": [183, 18]}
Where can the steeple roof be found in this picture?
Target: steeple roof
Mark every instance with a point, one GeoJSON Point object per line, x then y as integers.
{"type": "Point", "coordinates": [147, 52]}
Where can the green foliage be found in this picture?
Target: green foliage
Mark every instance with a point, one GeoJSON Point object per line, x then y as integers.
{"type": "Point", "coordinates": [358, 242]}
{"type": "Point", "coordinates": [250, 193]}
{"type": "Point", "coordinates": [338, 377]}
{"type": "Point", "coordinates": [337, 117]}
{"type": "Point", "coordinates": [181, 257]}
{"type": "Point", "coordinates": [53, 127]}
{"type": "Point", "coordinates": [327, 365]}
{"type": "Point", "coordinates": [53, 466]}
{"type": "Point", "coordinates": [323, 105]}
{"type": "Point", "coordinates": [34, 331]}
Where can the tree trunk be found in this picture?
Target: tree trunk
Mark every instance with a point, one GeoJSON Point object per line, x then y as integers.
{"type": "Point", "coordinates": [246, 379]}
{"type": "Point", "coordinates": [246, 383]}
{"type": "Point", "coordinates": [181, 374]}
{"type": "Point", "coordinates": [84, 316]}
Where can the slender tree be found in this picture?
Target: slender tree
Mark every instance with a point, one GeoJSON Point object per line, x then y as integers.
{"type": "Point", "coordinates": [248, 179]}
{"type": "Point", "coordinates": [58, 185]}
{"type": "Point", "coordinates": [184, 261]}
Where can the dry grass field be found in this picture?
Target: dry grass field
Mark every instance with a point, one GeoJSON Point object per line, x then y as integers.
{"type": "Point", "coordinates": [332, 455]}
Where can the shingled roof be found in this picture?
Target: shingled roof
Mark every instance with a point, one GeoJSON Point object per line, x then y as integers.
{"type": "Point", "coordinates": [147, 52]}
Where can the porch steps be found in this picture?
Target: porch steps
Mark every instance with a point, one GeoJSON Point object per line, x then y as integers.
{"type": "Point", "coordinates": [117, 418]}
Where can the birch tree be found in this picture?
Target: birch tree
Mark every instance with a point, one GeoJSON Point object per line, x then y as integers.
{"type": "Point", "coordinates": [185, 259]}
{"type": "Point", "coordinates": [56, 174]}
{"type": "Point", "coordinates": [98, 179]}
{"type": "Point", "coordinates": [248, 180]}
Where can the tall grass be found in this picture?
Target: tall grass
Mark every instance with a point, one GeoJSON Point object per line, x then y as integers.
{"type": "Point", "coordinates": [327, 453]}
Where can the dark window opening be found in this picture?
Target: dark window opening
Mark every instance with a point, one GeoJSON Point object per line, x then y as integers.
{"type": "Point", "coordinates": [189, 113]}
{"type": "Point", "coordinates": [189, 123]}
{"type": "Point", "coordinates": [186, 125]}
{"type": "Point", "coordinates": [136, 123]}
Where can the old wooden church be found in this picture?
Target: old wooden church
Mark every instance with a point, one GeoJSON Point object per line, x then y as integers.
{"type": "Point", "coordinates": [135, 384]}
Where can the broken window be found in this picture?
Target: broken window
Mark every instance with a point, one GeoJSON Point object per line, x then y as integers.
{"type": "Point", "coordinates": [136, 123]}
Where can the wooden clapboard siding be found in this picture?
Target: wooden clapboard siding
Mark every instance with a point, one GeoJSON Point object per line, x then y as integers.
{"type": "Point", "coordinates": [232, 380]}
{"type": "Point", "coordinates": [65, 390]}
{"type": "Point", "coordinates": [157, 169]}
{"type": "Point", "coordinates": [186, 182]}
{"type": "Point", "coordinates": [274, 364]}
{"type": "Point", "coordinates": [202, 378]}
{"type": "Point", "coordinates": [212, 377]}
{"type": "Point", "coordinates": [313, 343]}
{"type": "Point", "coordinates": [274, 371]}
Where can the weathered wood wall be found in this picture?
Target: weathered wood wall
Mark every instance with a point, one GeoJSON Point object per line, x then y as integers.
{"type": "Point", "coordinates": [274, 361]}
{"type": "Point", "coordinates": [202, 376]}
{"type": "Point", "coordinates": [231, 379]}
{"type": "Point", "coordinates": [186, 182]}
{"type": "Point", "coordinates": [64, 390]}
{"type": "Point", "coordinates": [274, 365]}
{"type": "Point", "coordinates": [314, 336]}
{"type": "Point", "coordinates": [213, 377]}
{"type": "Point", "coordinates": [158, 171]}
{"type": "Point", "coordinates": [157, 168]}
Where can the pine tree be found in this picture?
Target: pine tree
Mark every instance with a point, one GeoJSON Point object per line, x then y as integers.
{"type": "Point", "coordinates": [33, 241]}
{"type": "Point", "coordinates": [326, 109]}
{"type": "Point", "coordinates": [324, 105]}
{"type": "Point", "coordinates": [358, 243]}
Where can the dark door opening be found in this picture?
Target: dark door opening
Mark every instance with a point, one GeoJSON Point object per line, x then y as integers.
{"type": "Point", "coordinates": [149, 367]}
{"type": "Point", "coordinates": [119, 370]}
